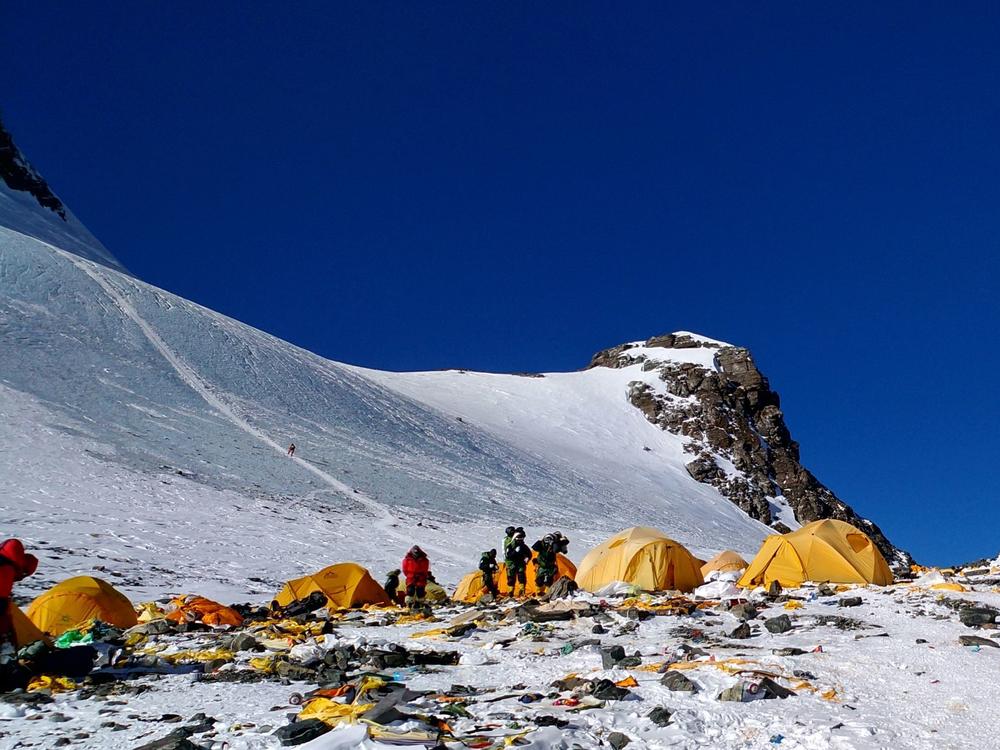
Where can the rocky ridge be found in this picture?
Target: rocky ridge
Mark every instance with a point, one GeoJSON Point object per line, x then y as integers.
{"type": "Point", "coordinates": [18, 174]}
{"type": "Point", "coordinates": [735, 430]}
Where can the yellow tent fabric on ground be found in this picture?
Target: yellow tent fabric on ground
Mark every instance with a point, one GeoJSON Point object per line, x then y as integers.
{"type": "Point", "coordinates": [346, 585]}
{"type": "Point", "coordinates": [644, 557]}
{"type": "Point", "coordinates": [827, 551]}
{"type": "Point", "coordinates": [724, 562]}
{"type": "Point", "coordinates": [76, 601]}
{"type": "Point", "coordinates": [471, 589]}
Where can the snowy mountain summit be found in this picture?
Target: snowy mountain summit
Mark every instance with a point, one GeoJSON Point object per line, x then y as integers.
{"type": "Point", "coordinates": [712, 394]}
{"type": "Point", "coordinates": [145, 437]}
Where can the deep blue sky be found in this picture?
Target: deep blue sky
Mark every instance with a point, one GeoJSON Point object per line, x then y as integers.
{"type": "Point", "coordinates": [512, 186]}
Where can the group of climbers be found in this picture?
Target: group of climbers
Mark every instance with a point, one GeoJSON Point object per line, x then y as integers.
{"type": "Point", "coordinates": [517, 555]}
{"type": "Point", "coordinates": [415, 569]}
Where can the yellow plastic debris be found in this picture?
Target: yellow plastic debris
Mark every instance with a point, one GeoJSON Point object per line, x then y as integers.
{"type": "Point", "coordinates": [434, 633]}
{"type": "Point", "coordinates": [195, 655]}
{"type": "Point", "coordinates": [150, 611]}
{"type": "Point", "coordinates": [333, 713]}
{"type": "Point", "coordinates": [948, 586]}
{"type": "Point", "coordinates": [263, 664]}
{"type": "Point", "coordinates": [793, 604]}
{"type": "Point", "coordinates": [52, 684]}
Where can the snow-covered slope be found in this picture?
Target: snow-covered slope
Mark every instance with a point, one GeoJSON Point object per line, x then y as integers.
{"type": "Point", "coordinates": [28, 205]}
{"type": "Point", "coordinates": [143, 388]}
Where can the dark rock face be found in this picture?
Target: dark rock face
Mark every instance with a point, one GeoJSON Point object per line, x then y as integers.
{"type": "Point", "coordinates": [731, 413]}
{"type": "Point", "coordinates": [18, 175]}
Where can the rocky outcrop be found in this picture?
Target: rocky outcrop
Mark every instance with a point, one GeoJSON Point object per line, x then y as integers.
{"type": "Point", "coordinates": [19, 175]}
{"type": "Point", "coordinates": [736, 433]}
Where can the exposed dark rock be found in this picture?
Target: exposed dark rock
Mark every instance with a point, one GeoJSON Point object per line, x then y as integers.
{"type": "Point", "coordinates": [742, 631]}
{"type": "Point", "coordinates": [743, 612]}
{"type": "Point", "coordinates": [975, 640]}
{"type": "Point", "coordinates": [611, 656]}
{"type": "Point", "coordinates": [617, 740]}
{"type": "Point", "coordinates": [19, 175]}
{"type": "Point", "coordinates": [300, 732]}
{"type": "Point", "coordinates": [606, 690]}
{"type": "Point", "coordinates": [850, 601]}
{"type": "Point", "coordinates": [779, 624]}
{"type": "Point", "coordinates": [678, 682]}
{"type": "Point", "coordinates": [736, 416]}
{"type": "Point", "coordinates": [659, 716]}
{"type": "Point", "coordinates": [977, 616]}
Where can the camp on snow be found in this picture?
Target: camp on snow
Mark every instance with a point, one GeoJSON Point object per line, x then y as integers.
{"type": "Point", "coordinates": [726, 561]}
{"type": "Point", "coordinates": [827, 551]}
{"type": "Point", "coordinates": [76, 601]}
{"type": "Point", "coordinates": [345, 585]}
{"type": "Point", "coordinates": [644, 557]}
{"type": "Point", "coordinates": [471, 588]}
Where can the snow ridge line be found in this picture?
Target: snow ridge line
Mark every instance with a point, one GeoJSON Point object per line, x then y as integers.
{"type": "Point", "coordinates": [385, 520]}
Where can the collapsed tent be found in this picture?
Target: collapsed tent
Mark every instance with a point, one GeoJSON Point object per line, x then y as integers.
{"type": "Point", "coordinates": [76, 601]}
{"type": "Point", "coordinates": [199, 609]}
{"type": "Point", "coordinates": [725, 562]}
{"type": "Point", "coordinates": [345, 585]}
{"type": "Point", "coordinates": [643, 557]}
{"type": "Point", "coordinates": [827, 551]}
{"type": "Point", "coordinates": [471, 588]}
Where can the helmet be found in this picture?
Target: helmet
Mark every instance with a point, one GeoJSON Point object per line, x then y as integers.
{"type": "Point", "coordinates": [416, 551]}
{"type": "Point", "coordinates": [519, 534]}
{"type": "Point", "coordinates": [509, 531]}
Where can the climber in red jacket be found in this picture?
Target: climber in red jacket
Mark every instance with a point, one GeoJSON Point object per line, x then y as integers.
{"type": "Point", "coordinates": [415, 566]}
{"type": "Point", "coordinates": [15, 564]}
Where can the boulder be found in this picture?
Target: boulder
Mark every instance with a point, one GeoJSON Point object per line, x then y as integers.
{"type": "Point", "coordinates": [300, 732]}
{"type": "Point", "coordinates": [743, 612]}
{"type": "Point", "coordinates": [779, 624]}
{"type": "Point", "coordinates": [977, 616]}
{"type": "Point", "coordinates": [742, 631]}
{"type": "Point", "coordinates": [606, 690]}
{"type": "Point", "coordinates": [241, 642]}
{"type": "Point", "coordinates": [659, 716]}
{"type": "Point", "coordinates": [850, 601]}
{"type": "Point", "coordinates": [617, 740]}
{"type": "Point", "coordinates": [611, 656]}
{"type": "Point", "coordinates": [975, 640]}
{"type": "Point", "coordinates": [678, 682]}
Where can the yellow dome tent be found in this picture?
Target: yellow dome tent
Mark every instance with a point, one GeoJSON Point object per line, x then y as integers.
{"type": "Point", "coordinates": [76, 601]}
{"type": "Point", "coordinates": [25, 631]}
{"type": "Point", "coordinates": [827, 551]}
{"type": "Point", "coordinates": [724, 562]}
{"type": "Point", "coordinates": [346, 585]}
{"type": "Point", "coordinates": [471, 589]}
{"type": "Point", "coordinates": [643, 557]}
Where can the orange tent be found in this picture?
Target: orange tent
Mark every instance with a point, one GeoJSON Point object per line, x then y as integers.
{"type": "Point", "coordinates": [346, 585]}
{"type": "Point", "coordinates": [471, 589]}
{"type": "Point", "coordinates": [724, 562]}
{"type": "Point", "coordinates": [199, 609]}
{"type": "Point", "coordinates": [827, 551]}
{"type": "Point", "coordinates": [76, 601]}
